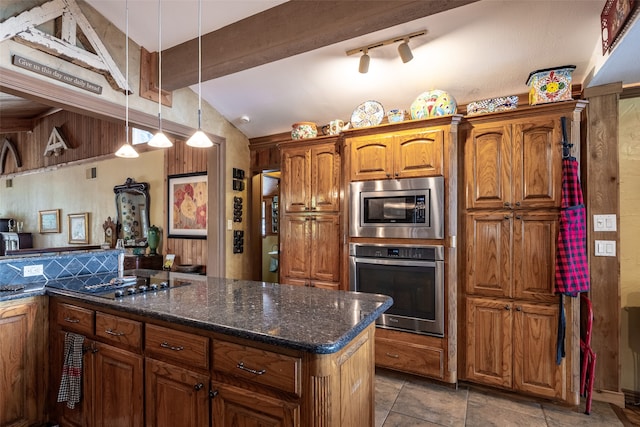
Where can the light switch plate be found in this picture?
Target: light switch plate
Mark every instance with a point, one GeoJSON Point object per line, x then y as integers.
{"type": "Point", "coordinates": [604, 222]}
{"type": "Point", "coordinates": [605, 248]}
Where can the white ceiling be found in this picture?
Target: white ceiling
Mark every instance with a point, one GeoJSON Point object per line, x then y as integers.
{"type": "Point", "coordinates": [482, 50]}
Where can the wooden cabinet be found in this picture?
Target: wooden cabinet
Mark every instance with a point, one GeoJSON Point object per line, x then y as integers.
{"type": "Point", "coordinates": [112, 375]}
{"type": "Point", "coordinates": [514, 164]}
{"type": "Point", "coordinates": [512, 176]}
{"type": "Point", "coordinates": [511, 254]}
{"type": "Point", "coordinates": [234, 406]}
{"type": "Point", "coordinates": [150, 262]}
{"type": "Point", "coordinates": [311, 178]}
{"type": "Point", "coordinates": [402, 154]}
{"type": "Point", "coordinates": [22, 362]}
{"type": "Point", "coordinates": [176, 395]}
{"type": "Point", "coordinates": [310, 247]}
{"type": "Point", "coordinates": [512, 344]}
{"type": "Point", "coordinates": [310, 225]}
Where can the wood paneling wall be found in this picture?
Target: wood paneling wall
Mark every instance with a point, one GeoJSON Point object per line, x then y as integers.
{"type": "Point", "coordinates": [601, 176]}
{"type": "Point", "coordinates": [181, 159]}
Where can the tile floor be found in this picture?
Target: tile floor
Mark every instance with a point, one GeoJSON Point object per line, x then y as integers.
{"type": "Point", "coordinates": [406, 401]}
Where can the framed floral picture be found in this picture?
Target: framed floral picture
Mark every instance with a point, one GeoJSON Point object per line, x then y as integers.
{"type": "Point", "coordinates": [49, 221]}
{"type": "Point", "coordinates": [187, 205]}
{"type": "Point", "coordinates": [79, 228]}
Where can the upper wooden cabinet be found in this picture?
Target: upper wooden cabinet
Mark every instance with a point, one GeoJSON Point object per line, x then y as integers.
{"type": "Point", "coordinates": [514, 164]}
{"type": "Point", "coordinates": [402, 154]}
{"type": "Point", "coordinates": [311, 177]}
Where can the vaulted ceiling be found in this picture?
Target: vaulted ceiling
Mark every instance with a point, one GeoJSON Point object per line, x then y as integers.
{"type": "Point", "coordinates": [276, 63]}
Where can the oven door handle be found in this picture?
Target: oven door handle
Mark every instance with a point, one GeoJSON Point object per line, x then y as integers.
{"type": "Point", "coordinates": [398, 262]}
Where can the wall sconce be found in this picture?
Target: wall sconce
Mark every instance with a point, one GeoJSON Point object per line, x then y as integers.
{"type": "Point", "coordinates": [403, 49]}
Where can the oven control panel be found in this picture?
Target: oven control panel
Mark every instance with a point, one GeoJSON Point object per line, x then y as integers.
{"type": "Point", "coordinates": [427, 253]}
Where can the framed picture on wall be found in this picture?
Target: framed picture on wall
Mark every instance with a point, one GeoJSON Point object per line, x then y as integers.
{"type": "Point", "coordinates": [49, 221]}
{"type": "Point", "coordinates": [187, 205]}
{"type": "Point", "coordinates": [79, 228]}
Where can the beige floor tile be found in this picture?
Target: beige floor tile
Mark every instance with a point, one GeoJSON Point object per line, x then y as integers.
{"type": "Point", "coordinates": [601, 415]}
{"type": "Point", "coordinates": [399, 420]}
{"type": "Point", "coordinates": [387, 389]}
{"type": "Point", "coordinates": [381, 416]}
{"type": "Point", "coordinates": [487, 415]}
{"type": "Point", "coordinates": [481, 399]}
{"type": "Point", "coordinates": [433, 403]}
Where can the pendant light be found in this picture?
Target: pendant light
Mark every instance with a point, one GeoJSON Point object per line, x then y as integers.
{"type": "Point", "coordinates": [199, 139]}
{"type": "Point", "coordinates": [127, 151]}
{"type": "Point", "coordinates": [160, 140]}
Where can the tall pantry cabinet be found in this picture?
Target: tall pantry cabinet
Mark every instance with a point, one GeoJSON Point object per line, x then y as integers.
{"type": "Point", "coordinates": [511, 202]}
{"type": "Point", "coordinates": [310, 227]}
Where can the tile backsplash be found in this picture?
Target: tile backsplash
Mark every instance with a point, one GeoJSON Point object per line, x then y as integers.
{"type": "Point", "coordinates": [45, 268]}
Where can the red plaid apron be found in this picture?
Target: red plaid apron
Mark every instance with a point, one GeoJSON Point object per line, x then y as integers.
{"type": "Point", "coordinates": [572, 267]}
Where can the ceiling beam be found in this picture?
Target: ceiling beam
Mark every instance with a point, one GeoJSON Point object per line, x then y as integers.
{"type": "Point", "coordinates": [285, 30]}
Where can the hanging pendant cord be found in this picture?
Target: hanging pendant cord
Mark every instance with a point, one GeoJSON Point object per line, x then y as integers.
{"type": "Point", "coordinates": [126, 50]}
{"type": "Point", "coordinates": [200, 64]}
{"type": "Point", "coordinates": [160, 66]}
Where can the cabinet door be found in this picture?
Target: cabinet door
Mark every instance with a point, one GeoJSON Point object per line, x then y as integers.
{"type": "Point", "coordinates": [118, 387]}
{"type": "Point", "coordinates": [18, 364]}
{"type": "Point", "coordinates": [82, 414]}
{"type": "Point", "coordinates": [489, 341]}
{"type": "Point", "coordinates": [294, 259]}
{"type": "Point", "coordinates": [233, 406]}
{"type": "Point", "coordinates": [535, 369]}
{"type": "Point", "coordinates": [296, 179]}
{"type": "Point", "coordinates": [325, 248]}
{"type": "Point", "coordinates": [372, 157]}
{"type": "Point", "coordinates": [534, 255]}
{"type": "Point", "coordinates": [537, 165]}
{"type": "Point", "coordinates": [325, 178]}
{"type": "Point", "coordinates": [175, 396]}
{"type": "Point", "coordinates": [418, 154]}
{"type": "Point", "coordinates": [488, 264]}
{"type": "Point", "coordinates": [488, 167]}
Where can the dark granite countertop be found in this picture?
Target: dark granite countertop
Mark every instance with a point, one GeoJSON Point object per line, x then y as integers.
{"type": "Point", "coordinates": [310, 319]}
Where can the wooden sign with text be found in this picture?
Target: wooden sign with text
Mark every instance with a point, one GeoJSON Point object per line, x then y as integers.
{"type": "Point", "coordinates": [50, 72]}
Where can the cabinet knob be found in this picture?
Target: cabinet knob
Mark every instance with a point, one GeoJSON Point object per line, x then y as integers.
{"type": "Point", "coordinates": [397, 174]}
{"type": "Point", "coordinates": [517, 203]}
{"type": "Point", "coordinates": [213, 393]}
{"type": "Point", "coordinates": [518, 216]}
{"type": "Point", "coordinates": [518, 308]}
{"type": "Point", "coordinates": [388, 175]}
{"type": "Point", "coordinates": [507, 217]}
{"type": "Point", "coordinates": [198, 387]}
{"type": "Point", "coordinates": [507, 204]}
{"type": "Point", "coordinates": [507, 307]}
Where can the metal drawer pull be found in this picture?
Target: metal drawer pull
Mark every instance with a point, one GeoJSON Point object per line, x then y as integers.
{"type": "Point", "coordinates": [115, 333]}
{"type": "Point", "coordinates": [170, 347]}
{"type": "Point", "coordinates": [253, 371]}
{"type": "Point", "coordinates": [395, 356]}
{"type": "Point", "coordinates": [71, 320]}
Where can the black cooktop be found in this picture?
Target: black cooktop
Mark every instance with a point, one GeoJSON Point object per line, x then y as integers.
{"type": "Point", "coordinates": [119, 287]}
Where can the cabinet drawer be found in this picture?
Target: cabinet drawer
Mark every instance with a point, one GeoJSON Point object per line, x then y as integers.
{"type": "Point", "coordinates": [119, 331]}
{"type": "Point", "coordinates": [259, 366]}
{"type": "Point", "coordinates": [187, 349]}
{"type": "Point", "coordinates": [406, 357]}
{"type": "Point", "coordinates": [76, 319]}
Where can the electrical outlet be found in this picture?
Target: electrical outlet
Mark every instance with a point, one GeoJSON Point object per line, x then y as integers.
{"type": "Point", "coordinates": [33, 270]}
{"type": "Point", "coordinates": [604, 223]}
{"type": "Point", "coordinates": [605, 248]}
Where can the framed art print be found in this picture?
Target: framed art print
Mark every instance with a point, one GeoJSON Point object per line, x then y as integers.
{"type": "Point", "coordinates": [79, 228]}
{"type": "Point", "coordinates": [187, 205]}
{"type": "Point", "coordinates": [49, 221]}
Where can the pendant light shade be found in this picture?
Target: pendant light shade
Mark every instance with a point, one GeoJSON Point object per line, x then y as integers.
{"type": "Point", "coordinates": [160, 140]}
{"type": "Point", "coordinates": [199, 139]}
{"type": "Point", "coordinates": [127, 151]}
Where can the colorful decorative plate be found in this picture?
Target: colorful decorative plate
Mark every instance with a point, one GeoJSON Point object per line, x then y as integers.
{"type": "Point", "coordinates": [369, 113]}
{"type": "Point", "coordinates": [432, 104]}
{"type": "Point", "coordinates": [492, 105]}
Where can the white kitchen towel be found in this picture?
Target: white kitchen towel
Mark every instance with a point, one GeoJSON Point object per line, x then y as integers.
{"type": "Point", "coordinates": [71, 382]}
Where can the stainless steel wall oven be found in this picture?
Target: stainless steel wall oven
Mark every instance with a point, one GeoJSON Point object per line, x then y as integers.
{"type": "Point", "coordinates": [413, 275]}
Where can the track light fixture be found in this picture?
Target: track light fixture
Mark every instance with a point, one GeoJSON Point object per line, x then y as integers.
{"type": "Point", "coordinates": [199, 139]}
{"type": "Point", "coordinates": [160, 140]}
{"type": "Point", "coordinates": [364, 62]}
{"type": "Point", "coordinates": [126, 150]}
{"type": "Point", "coordinates": [403, 49]}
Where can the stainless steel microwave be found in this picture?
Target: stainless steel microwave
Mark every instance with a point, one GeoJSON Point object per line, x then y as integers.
{"type": "Point", "coordinates": [411, 208]}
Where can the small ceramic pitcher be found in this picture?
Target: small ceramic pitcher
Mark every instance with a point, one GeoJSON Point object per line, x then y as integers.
{"type": "Point", "coordinates": [335, 127]}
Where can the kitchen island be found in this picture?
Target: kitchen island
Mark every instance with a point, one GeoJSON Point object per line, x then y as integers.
{"type": "Point", "coordinates": [216, 352]}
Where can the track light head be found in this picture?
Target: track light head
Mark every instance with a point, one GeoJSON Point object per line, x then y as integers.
{"type": "Point", "coordinates": [405, 51]}
{"type": "Point", "coordinates": [364, 62]}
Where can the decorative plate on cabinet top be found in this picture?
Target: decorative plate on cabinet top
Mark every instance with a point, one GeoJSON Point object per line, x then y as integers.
{"type": "Point", "coordinates": [369, 113]}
